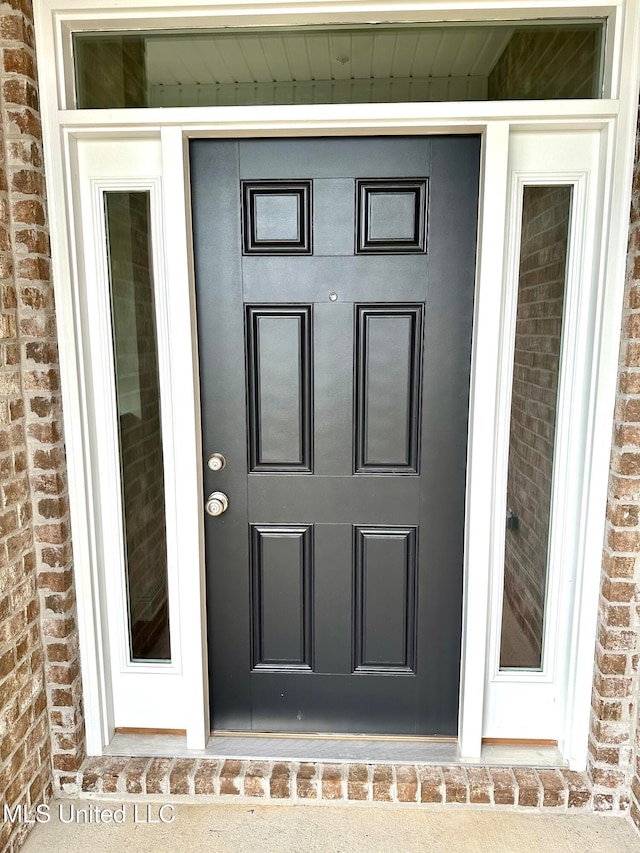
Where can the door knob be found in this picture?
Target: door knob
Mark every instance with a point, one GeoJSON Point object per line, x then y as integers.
{"type": "Point", "coordinates": [216, 462]}
{"type": "Point", "coordinates": [217, 503]}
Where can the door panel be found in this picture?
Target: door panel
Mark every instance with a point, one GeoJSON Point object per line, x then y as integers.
{"type": "Point", "coordinates": [388, 388]}
{"type": "Point", "coordinates": [282, 564]}
{"type": "Point", "coordinates": [335, 297]}
{"type": "Point", "coordinates": [384, 600]}
{"type": "Point", "coordinates": [279, 390]}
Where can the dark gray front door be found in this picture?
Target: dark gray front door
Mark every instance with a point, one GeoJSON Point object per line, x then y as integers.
{"type": "Point", "coordinates": [335, 284]}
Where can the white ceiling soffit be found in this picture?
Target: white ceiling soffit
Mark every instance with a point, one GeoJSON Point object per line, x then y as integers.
{"type": "Point", "coordinates": [268, 57]}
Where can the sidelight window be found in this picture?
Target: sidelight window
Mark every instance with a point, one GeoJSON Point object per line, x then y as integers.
{"type": "Point", "coordinates": [139, 423]}
{"type": "Point", "coordinates": [546, 212]}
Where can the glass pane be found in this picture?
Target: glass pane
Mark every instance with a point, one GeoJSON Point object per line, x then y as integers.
{"type": "Point", "coordinates": [541, 285]}
{"type": "Point", "coordinates": [139, 424]}
{"type": "Point", "coordinates": [340, 65]}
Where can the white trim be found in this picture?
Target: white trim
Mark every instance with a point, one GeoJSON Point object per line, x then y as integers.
{"type": "Point", "coordinates": [484, 371]}
{"type": "Point", "coordinates": [526, 703]}
{"type": "Point", "coordinates": [54, 20]}
{"type": "Point", "coordinates": [107, 460]}
{"type": "Point", "coordinates": [187, 450]}
{"type": "Point", "coordinates": [306, 120]}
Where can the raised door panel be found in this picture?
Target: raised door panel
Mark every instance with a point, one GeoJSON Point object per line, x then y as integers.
{"type": "Point", "coordinates": [385, 600]}
{"type": "Point", "coordinates": [388, 379]}
{"type": "Point", "coordinates": [281, 588]}
{"type": "Point", "coordinates": [279, 388]}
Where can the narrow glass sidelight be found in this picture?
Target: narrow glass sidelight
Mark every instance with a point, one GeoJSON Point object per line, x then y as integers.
{"type": "Point", "coordinates": [135, 353]}
{"type": "Point", "coordinates": [546, 214]}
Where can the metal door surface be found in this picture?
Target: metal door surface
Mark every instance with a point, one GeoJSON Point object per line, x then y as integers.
{"type": "Point", "coordinates": [334, 284]}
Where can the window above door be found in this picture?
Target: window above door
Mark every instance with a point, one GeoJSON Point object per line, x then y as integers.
{"type": "Point", "coordinates": [340, 65]}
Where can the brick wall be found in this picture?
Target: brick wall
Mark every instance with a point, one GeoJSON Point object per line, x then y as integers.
{"type": "Point", "coordinates": [540, 64]}
{"type": "Point", "coordinates": [614, 745]}
{"type": "Point", "coordinates": [41, 727]}
{"type": "Point", "coordinates": [543, 254]}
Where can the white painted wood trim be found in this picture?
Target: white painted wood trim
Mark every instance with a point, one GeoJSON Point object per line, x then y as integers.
{"type": "Point", "coordinates": [187, 450]}
{"type": "Point", "coordinates": [484, 372]}
{"type": "Point", "coordinates": [348, 118]}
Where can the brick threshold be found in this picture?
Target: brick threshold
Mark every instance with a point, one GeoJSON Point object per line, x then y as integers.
{"type": "Point", "coordinates": [303, 782]}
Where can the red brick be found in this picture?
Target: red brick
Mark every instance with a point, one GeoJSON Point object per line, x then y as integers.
{"type": "Point", "coordinates": [179, 777]}
{"type": "Point", "coordinates": [602, 802]}
{"type": "Point", "coordinates": [230, 777]}
{"type": "Point", "coordinates": [382, 783]}
{"type": "Point", "coordinates": [406, 783]}
{"type": "Point", "coordinates": [134, 774]}
{"type": "Point", "coordinates": [307, 781]}
{"type": "Point", "coordinates": [255, 779]}
{"type": "Point", "coordinates": [578, 789]}
{"type": "Point", "coordinates": [529, 793]}
{"type": "Point", "coordinates": [553, 788]}
{"type": "Point", "coordinates": [92, 774]}
{"type": "Point", "coordinates": [205, 777]}
{"type": "Point", "coordinates": [431, 784]}
{"type": "Point", "coordinates": [279, 783]}
{"type": "Point", "coordinates": [480, 785]}
{"type": "Point", "coordinates": [455, 782]}
{"type": "Point", "coordinates": [331, 782]}
{"type": "Point", "coordinates": [157, 776]}
{"type": "Point", "coordinates": [358, 787]}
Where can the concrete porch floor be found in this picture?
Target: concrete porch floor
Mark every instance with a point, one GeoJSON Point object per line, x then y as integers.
{"type": "Point", "coordinates": [325, 828]}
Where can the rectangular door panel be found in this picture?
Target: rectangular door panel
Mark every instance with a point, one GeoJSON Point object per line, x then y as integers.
{"type": "Point", "coordinates": [279, 390]}
{"type": "Point", "coordinates": [385, 599]}
{"type": "Point", "coordinates": [282, 578]}
{"type": "Point", "coordinates": [388, 387]}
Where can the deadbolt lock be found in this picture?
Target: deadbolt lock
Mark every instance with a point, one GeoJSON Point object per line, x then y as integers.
{"type": "Point", "coordinates": [217, 503]}
{"type": "Point", "coordinates": [216, 462]}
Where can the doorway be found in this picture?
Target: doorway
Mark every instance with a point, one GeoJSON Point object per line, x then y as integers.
{"type": "Point", "coordinates": [335, 284]}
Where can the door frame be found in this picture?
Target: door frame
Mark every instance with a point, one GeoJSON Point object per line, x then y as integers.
{"type": "Point", "coordinates": [65, 129]}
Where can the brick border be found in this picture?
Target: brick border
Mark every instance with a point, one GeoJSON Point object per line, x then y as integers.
{"type": "Point", "coordinates": [302, 782]}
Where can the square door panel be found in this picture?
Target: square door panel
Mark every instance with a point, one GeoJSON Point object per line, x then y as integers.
{"type": "Point", "coordinates": [276, 217]}
{"type": "Point", "coordinates": [391, 217]}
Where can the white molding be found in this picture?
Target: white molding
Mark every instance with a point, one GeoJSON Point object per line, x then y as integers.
{"type": "Point", "coordinates": [346, 118]}
{"type": "Point", "coordinates": [187, 450]}
{"type": "Point", "coordinates": [484, 372]}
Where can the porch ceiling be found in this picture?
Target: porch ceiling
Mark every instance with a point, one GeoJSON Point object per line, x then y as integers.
{"type": "Point", "coordinates": [339, 54]}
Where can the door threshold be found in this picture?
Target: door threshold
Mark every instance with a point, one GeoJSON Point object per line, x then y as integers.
{"type": "Point", "coordinates": [335, 736]}
{"type": "Point", "coordinates": [361, 749]}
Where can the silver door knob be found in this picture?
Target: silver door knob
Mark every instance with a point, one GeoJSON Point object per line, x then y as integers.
{"type": "Point", "coordinates": [217, 503]}
{"type": "Point", "coordinates": [216, 462]}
